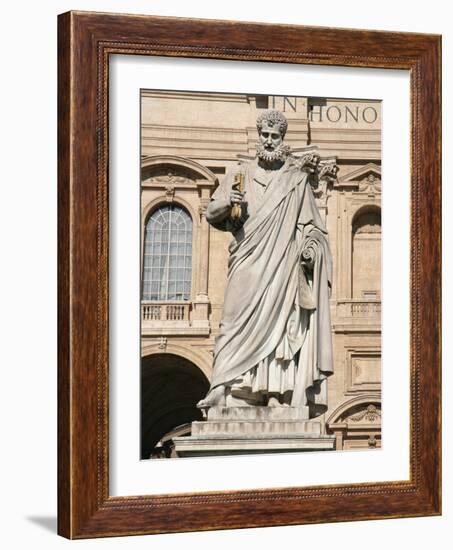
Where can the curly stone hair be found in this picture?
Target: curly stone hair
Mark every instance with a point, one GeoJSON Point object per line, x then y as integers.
{"type": "Point", "coordinates": [272, 117]}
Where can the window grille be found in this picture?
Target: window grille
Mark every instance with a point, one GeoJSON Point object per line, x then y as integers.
{"type": "Point", "coordinates": [167, 265]}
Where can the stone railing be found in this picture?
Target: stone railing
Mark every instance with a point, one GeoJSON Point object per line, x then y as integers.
{"type": "Point", "coordinates": [359, 308]}
{"type": "Point", "coordinates": [166, 311]}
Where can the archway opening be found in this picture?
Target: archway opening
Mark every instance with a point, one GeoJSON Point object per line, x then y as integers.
{"type": "Point", "coordinates": [171, 386]}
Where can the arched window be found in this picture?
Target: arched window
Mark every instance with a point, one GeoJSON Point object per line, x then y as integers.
{"type": "Point", "coordinates": [366, 254]}
{"type": "Point", "coordinates": [167, 265]}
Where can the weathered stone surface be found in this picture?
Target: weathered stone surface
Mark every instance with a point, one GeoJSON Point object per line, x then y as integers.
{"type": "Point", "coordinates": [267, 414]}
{"type": "Point", "coordinates": [255, 427]}
{"type": "Point", "coordinates": [244, 430]}
{"type": "Point", "coordinates": [198, 137]}
{"type": "Point", "coordinates": [247, 444]}
{"type": "Point", "coordinates": [274, 346]}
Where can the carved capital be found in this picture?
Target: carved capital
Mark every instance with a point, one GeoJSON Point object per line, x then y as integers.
{"type": "Point", "coordinates": [323, 180]}
{"type": "Point", "coordinates": [308, 162]}
{"type": "Point", "coordinates": [328, 170]}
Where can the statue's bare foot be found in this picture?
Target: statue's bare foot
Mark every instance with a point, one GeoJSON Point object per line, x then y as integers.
{"type": "Point", "coordinates": [273, 402]}
{"type": "Point", "coordinates": [215, 398]}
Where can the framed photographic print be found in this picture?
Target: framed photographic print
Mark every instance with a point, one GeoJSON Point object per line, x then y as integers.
{"type": "Point", "coordinates": [249, 275]}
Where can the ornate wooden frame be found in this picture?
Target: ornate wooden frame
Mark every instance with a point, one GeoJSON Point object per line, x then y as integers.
{"type": "Point", "coordinates": [85, 41]}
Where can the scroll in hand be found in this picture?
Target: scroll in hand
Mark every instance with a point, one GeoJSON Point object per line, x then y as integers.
{"type": "Point", "coordinates": [308, 257]}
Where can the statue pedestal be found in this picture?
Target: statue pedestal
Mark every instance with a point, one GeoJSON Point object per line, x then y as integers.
{"type": "Point", "coordinates": [246, 430]}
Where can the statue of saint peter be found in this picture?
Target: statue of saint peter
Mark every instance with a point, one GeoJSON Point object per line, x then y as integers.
{"type": "Point", "coordinates": [275, 346]}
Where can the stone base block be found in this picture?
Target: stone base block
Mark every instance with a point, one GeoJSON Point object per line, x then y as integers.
{"type": "Point", "coordinates": [245, 430]}
{"type": "Point", "coordinates": [257, 413]}
{"type": "Point", "coordinates": [229, 445]}
{"type": "Point", "coordinates": [282, 427]}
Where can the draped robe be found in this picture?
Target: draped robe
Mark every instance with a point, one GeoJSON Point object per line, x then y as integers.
{"type": "Point", "coordinates": [275, 333]}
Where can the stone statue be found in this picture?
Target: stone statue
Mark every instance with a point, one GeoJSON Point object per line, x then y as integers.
{"type": "Point", "coordinates": [274, 348]}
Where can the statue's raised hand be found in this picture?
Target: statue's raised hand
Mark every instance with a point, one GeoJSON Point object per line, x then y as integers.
{"type": "Point", "coordinates": [236, 197]}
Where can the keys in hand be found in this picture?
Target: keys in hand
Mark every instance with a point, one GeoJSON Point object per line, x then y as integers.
{"type": "Point", "coordinates": [236, 197]}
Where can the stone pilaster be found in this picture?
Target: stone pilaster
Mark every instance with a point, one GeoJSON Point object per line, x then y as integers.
{"type": "Point", "coordinates": [200, 313]}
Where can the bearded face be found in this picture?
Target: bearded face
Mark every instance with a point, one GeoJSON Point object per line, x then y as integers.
{"type": "Point", "coordinates": [270, 147]}
{"type": "Point", "coordinates": [278, 154]}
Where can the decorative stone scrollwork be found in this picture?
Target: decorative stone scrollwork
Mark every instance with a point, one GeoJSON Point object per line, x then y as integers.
{"type": "Point", "coordinates": [370, 184]}
{"type": "Point", "coordinates": [202, 207]}
{"type": "Point", "coordinates": [322, 174]}
{"type": "Point", "coordinates": [370, 414]}
{"type": "Point", "coordinates": [308, 162]}
{"type": "Point", "coordinates": [162, 343]}
{"type": "Point", "coordinates": [357, 423]}
{"type": "Point", "coordinates": [327, 171]}
{"type": "Point", "coordinates": [162, 176]}
{"type": "Point", "coordinates": [170, 193]}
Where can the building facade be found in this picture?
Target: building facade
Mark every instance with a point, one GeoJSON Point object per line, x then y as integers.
{"type": "Point", "coordinates": [188, 142]}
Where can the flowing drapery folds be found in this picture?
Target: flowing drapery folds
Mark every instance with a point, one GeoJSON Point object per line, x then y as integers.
{"type": "Point", "coordinates": [275, 333]}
